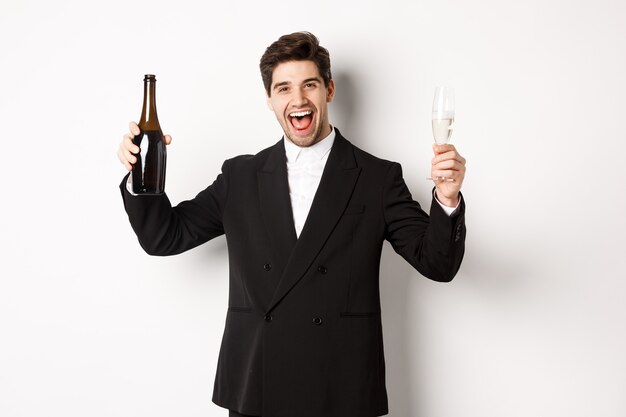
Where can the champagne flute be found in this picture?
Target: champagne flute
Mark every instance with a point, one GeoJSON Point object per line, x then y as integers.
{"type": "Point", "coordinates": [443, 119]}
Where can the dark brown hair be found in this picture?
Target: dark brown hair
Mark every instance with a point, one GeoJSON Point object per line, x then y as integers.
{"type": "Point", "coordinates": [298, 46]}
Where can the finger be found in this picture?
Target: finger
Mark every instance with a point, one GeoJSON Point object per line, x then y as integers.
{"type": "Point", "coordinates": [441, 180]}
{"type": "Point", "coordinates": [448, 164]}
{"type": "Point", "coordinates": [458, 176]}
{"type": "Point", "coordinates": [134, 129]}
{"type": "Point", "coordinates": [126, 156]}
{"type": "Point", "coordinates": [445, 173]}
{"type": "Point", "coordinates": [443, 148]}
{"type": "Point", "coordinates": [448, 153]}
{"type": "Point", "coordinates": [130, 157]}
{"type": "Point", "coordinates": [450, 184]}
{"type": "Point", "coordinates": [129, 145]}
{"type": "Point", "coordinates": [167, 139]}
{"type": "Point", "coordinates": [448, 156]}
{"type": "Point", "coordinates": [451, 165]}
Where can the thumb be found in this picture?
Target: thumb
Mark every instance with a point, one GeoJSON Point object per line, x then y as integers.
{"type": "Point", "coordinates": [437, 149]}
{"type": "Point", "coordinates": [167, 139]}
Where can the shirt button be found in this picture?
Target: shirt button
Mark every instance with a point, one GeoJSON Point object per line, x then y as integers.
{"type": "Point", "coordinates": [268, 318]}
{"type": "Point", "coordinates": [267, 267]}
{"type": "Point", "coordinates": [317, 320]}
{"type": "Point", "coordinates": [322, 269]}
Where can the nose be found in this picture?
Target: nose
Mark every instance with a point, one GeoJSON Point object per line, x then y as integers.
{"type": "Point", "coordinates": [299, 97]}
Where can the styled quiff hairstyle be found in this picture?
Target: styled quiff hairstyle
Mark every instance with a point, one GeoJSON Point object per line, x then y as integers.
{"type": "Point", "coordinates": [298, 46]}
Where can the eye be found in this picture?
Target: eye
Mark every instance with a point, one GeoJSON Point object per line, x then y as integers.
{"type": "Point", "coordinates": [283, 89]}
{"type": "Point", "coordinates": [309, 85]}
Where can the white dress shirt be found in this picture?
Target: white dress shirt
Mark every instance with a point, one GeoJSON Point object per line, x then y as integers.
{"type": "Point", "coordinates": [304, 171]}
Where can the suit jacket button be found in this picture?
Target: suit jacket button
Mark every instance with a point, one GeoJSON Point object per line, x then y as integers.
{"type": "Point", "coordinates": [317, 320]}
{"type": "Point", "coordinates": [322, 269]}
{"type": "Point", "coordinates": [268, 318]}
{"type": "Point", "coordinates": [267, 267]}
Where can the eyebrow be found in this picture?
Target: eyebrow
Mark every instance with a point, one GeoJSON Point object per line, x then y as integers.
{"type": "Point", "coordinates": [308, 80]}
{"type": "Point", "coordinates": [280, 84]}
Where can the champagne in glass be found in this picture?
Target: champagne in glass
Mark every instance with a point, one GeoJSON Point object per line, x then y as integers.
{"type": "Point", "coordinates": [442, 129]}
{"type": "Point", "coordinates": [443, 118]}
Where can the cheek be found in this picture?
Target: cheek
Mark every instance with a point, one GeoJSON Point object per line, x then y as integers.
{"type": "Point", "coordinates": [278, 107]}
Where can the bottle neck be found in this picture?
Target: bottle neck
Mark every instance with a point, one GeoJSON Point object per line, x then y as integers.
{"type": "Point", "coordinates": [149, 119]}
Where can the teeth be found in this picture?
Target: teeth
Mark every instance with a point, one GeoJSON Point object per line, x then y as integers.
{"type": "Point", "coordinates": [300, 113]}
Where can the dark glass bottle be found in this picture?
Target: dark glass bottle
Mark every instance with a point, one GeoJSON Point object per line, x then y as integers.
{"type": "Point", "coordinates": [148, 174]}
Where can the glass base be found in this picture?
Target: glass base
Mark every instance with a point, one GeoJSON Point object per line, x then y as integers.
{"type": "Point", "coordinates": [440, 179]}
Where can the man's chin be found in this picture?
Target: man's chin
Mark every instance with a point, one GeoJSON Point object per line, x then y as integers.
{"type": "Point", "coordinates": [303, 140]}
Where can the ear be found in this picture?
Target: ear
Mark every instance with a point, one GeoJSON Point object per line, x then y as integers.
{"type": "Point", "coordinates": [330, 91]}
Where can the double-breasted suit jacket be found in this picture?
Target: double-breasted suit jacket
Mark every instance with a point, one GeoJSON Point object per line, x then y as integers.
{"type": "Point", "coordinates": [303, 335]}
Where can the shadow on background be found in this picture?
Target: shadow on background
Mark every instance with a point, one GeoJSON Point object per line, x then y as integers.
{"type": "Point", "coordinates": [344, 108]}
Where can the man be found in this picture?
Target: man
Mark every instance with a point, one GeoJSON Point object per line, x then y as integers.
{"type": "Point", "coordinates": [305, 221]}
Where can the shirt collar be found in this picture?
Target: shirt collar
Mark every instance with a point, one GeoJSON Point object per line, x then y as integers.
{"type": "Point", "coordinates": [320, 149]}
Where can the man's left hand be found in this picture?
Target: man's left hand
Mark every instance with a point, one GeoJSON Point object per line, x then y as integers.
{"type": "Point", "coordinates": [448, 171]}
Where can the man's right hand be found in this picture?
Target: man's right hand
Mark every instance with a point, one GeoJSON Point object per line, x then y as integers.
{"type": "Point", "coordinates": [127, 150]}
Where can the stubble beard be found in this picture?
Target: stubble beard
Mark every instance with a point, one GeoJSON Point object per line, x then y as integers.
{"type": "Point", "coordinates": [305, 141]}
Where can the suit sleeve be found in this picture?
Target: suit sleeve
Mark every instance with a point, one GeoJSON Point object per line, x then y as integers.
{"type": "Point", "coordinates": [165, 230]}
{"type": "Point", "coordinates": [435, 244]}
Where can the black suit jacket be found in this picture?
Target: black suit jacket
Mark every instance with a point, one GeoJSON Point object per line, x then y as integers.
{"type": "Point", "coordinates": [303, 334]}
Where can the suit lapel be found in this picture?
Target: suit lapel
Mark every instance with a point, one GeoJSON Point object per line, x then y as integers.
{"type": "Point", "coordinates": [332, 197]}
{"type": "Point", "coordinates": [275, 202]}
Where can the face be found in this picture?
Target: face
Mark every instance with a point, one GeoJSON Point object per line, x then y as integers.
{"type": "Point", "coordinates": [300, 100]}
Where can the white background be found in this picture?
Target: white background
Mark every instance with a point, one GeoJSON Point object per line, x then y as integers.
{"type": "Point", "coordinates": [533, 325]}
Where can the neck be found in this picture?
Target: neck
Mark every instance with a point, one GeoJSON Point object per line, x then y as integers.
{"type": "Point", "coordinates": [325, 131]}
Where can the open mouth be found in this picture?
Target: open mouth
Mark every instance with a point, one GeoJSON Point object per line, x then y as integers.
{"type": "Point", "coordinates": [301, 121]}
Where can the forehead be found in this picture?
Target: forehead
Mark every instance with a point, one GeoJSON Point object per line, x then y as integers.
{"type": "Point", "coordinates": [295, 71]}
